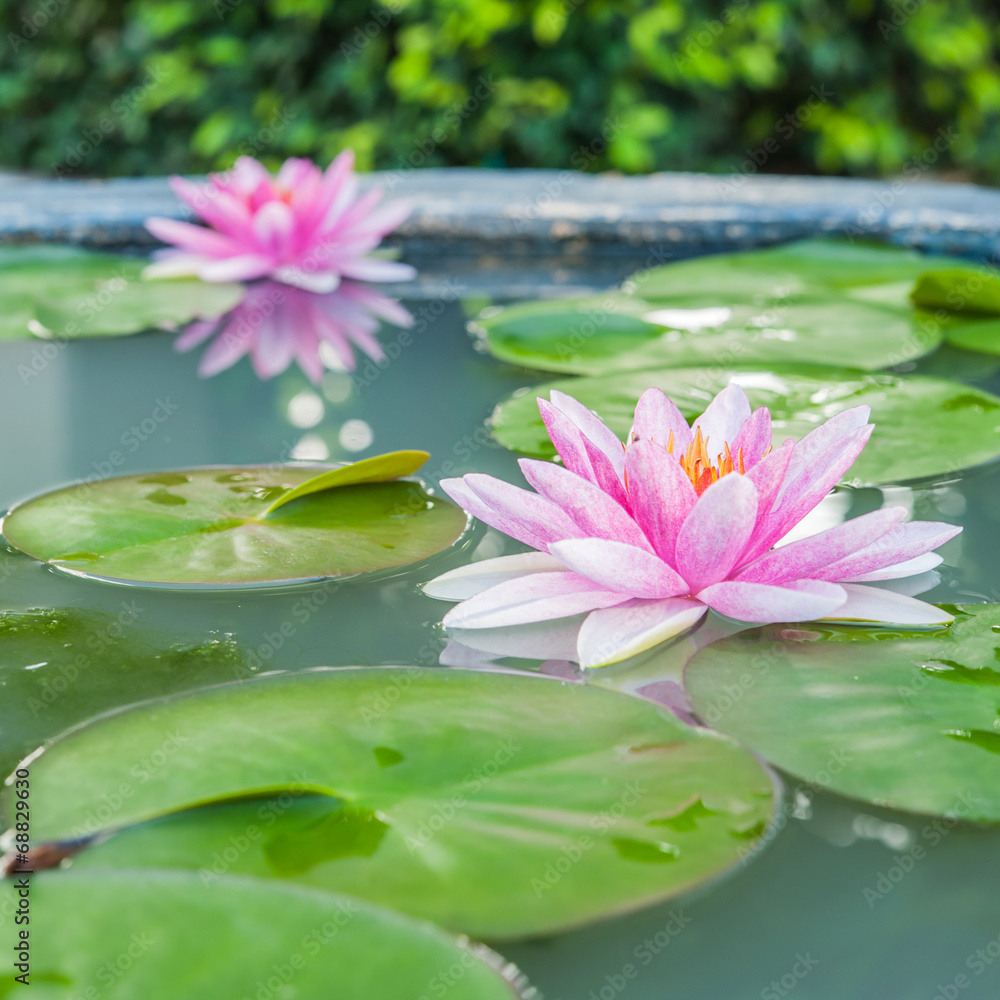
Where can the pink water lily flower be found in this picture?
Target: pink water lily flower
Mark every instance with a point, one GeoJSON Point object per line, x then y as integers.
{"type": "Point", "coordinates": [276, 324]}
{"type": "Point", "coordinates": [305, 227]}
{"type": "Point", "coordinates": [648, 536]}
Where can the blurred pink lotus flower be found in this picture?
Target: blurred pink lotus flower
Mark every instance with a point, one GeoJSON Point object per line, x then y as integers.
{"type": "Point", "coordinates": [303, 227]}
{"type": "Point", "coordinates": [277, 323]}
{"type": "Point", "coordinates": [648, 536]}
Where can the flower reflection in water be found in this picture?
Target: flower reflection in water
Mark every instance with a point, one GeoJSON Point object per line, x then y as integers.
{"type": "Point", "coordinates": [277, 323]}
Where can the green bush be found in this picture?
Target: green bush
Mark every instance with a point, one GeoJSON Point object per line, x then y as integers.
{"type": "Point", "coordinates": [152, 86]}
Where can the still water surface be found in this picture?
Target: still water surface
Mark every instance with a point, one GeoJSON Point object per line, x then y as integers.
{"type": "Point", "coordinates": [796, 921]}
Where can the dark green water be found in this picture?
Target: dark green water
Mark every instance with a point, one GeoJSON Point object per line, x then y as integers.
{"type": "Point", "coordinates": [839, 907]}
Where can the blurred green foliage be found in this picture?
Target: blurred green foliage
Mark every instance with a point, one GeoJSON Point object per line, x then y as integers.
{"type": "Point", "coordinates": [103, 87]}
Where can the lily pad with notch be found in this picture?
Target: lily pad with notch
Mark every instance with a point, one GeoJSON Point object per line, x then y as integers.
{"type": "Point", "coordinates": [238, 525]}
{"type": "Point", "coordinates": [908, 720]}
{"type": "Point", "coordinates": [510, 804]}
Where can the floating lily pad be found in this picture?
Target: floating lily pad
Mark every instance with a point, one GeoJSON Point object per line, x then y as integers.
{"type": "Point", "coordinates": [60, 667]}
{"type": "Point", "coordinates": [208, 527]}
{"type": "Point", "coordinates": [959, 290]}
{"type": "Point", "coordinates": [813, 302]}
{"type": "Point", "coordinates": [982, 336]}
{"type": "Point", "coordinates": [924, 426]}
{"type": "Point", "coordinates": [498, 804]}
{"type": "Point", "coordinates": [76, 293]}
{"type": "Point", "coordinates": [616, 333]}
{"type": "Point", "coordinates": [160, 935]}
{"type": "Point", "coordinates": [787, 270]}
{"type": "Point", "coordinates": [906, 720]}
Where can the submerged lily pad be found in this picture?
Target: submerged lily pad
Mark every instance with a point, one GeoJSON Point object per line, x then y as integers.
{"type": "Point", "coordinates": [924, 426]}
{"type": "Point", "coordinates": [813, 302]}
{"type": "Point", "coordinates": [160, 935]}
{"type": "Point", "coordinates": [75, 293]}
{"type": "Point", "coordinates": [498, 804]}
{"type": "Point", "coordinates": [907, 720]}
{"type": "Point", "coordinates": [60, 667]}
{"type": "Point", "coordinates": [211, 527]}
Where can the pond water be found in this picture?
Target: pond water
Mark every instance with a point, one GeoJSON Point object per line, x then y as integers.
{"type": "Point", "coordinates": [847, 901]}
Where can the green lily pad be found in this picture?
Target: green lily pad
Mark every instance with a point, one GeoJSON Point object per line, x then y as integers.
{"type": "Point", "coordinates": [819, 302]}
{"type": "Point", "coordinates": [376, 469]}
{"type": "Point", "coordinates": [160, 935]}
{"type": "Point", "coordinates": [76, 293]}
{"type": "Point", "coordinates": [207, 527]}
{"type": "Point", "coordinates": [982, 336]}
{"type": "Point", "coordinates": [959, 290]}
{"type": "Point", "coordinates": [60, 667]}
{"type": "Point", "coordinates": [617, 333]}
{"type": "Point", "coordinates": [908, 720]}
{"type": "Point", "coordinates": [924, 426]}
{"type": "Point", "coordinates": [498, 804]}
{"type": "Point", "coordinates": [787, 270]}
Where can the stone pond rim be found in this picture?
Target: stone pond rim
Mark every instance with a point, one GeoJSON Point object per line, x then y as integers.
{"type": "Point", "coordinates": [563, 212]}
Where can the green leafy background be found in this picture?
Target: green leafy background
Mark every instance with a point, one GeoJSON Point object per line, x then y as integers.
{"type": "Point", "coordinates": [175, 85]}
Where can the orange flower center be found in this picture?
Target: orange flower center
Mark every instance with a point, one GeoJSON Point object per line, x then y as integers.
{"type": "Point", "coordinates": [699, 466]}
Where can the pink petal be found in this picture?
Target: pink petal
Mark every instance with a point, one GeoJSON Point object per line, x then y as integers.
{"type": "Point", "coordinates": [899, 571]}
{"type": "Point", "coordinates": [376, 269]}
{"type": "Point", "coordinates": [800, 560]}
{"type": "Point", "coordinates": [385, 218]}
{"type": "Point", "coordinates": [593, 428]}
{"type": "Point", "coordinates": [768, 476]}
{"type": "Point", "coordinates": [525, 516]}
{"type": "Point", "coordinates": [803, 493]}
{"type": "Point", "coordinates": [243, 268]}
{"type": "Point", "coordinates": [534, 598]}
{"type": "Point", "coordinates": [609, 635]}
{"type": "Point", "coordinates": [590, 508]}
{"type": "Point", "coordinates": [726, 414]}
{"type": "Point", "coordinates": [616, 566]}
{"type": "Point", "coordinates": [197, 333]}
{"type": "Point", "coordinates": [873, 604]}
{"type": "Point", "coordinates": [376, 303]}
{"type": "Point", "coordinates": [579, 454]}
{"type": "Point", "coordinates": [661, 494]}
{"type": "Point", "coordinates": [904, 542]}
{"type": "Point", "coordinates": [227, 348]}
{"type": "Point", "coordinates": [296, 171]}
{"type": "Point", "coordinates": [656, 418]}
{"type": "Point", "coordinates": [754, 438]}
{"type": "Point", "coordinates": [467, 581]}
{"type": "Point", "coordinates": [716, 532]}
{"type": "Point", "coordinates": [816, 442]}
{"type": "Point", "coordinates": [272, 347]}
{"type": "Point", "coordinates": [196, 239]}
{"type": "Point", "coordinates": [272, 226]}
{"type": "Point", "coordinates": [221, 209]}
{"type": "Point", "coordinates": [803, 600]}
